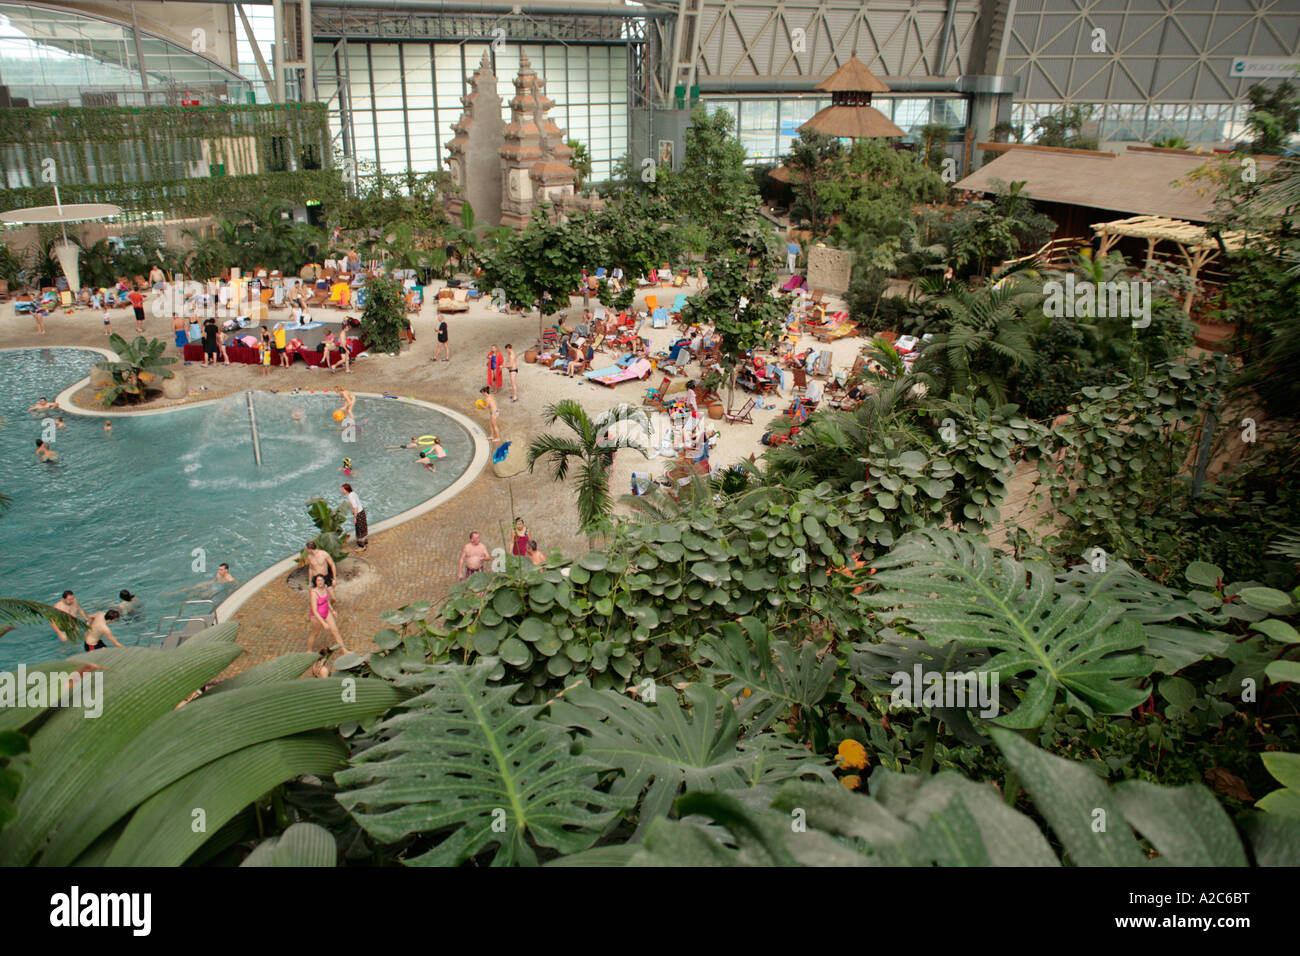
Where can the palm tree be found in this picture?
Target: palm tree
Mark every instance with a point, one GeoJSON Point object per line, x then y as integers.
{"type": "Point", "coordinates": [988, 338]}
{"type": "Point", "coordinates": [597, 440]}
{"type": "Point", "coordinates": [580, 161]}
{"type": "Point", "coordinates": [139, 364]}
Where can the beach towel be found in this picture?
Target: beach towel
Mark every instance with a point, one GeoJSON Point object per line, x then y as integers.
{"type": "Point", "coordinates": [793, 284]}
{"type": "Point", "coordinates": [637, 370]}
{"type": "Point", "coordinates": [641, 481]}
{"type": "Point", "coordinates": [659, 318]}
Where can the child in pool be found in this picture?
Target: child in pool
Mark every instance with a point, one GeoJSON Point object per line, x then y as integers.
{"type": "Point", "coordinates": [347, 467]}
{"type": "Point", "coordinates": [423, 458]}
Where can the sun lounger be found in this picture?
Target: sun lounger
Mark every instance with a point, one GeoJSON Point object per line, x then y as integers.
{"type": "Point", "coordinates": [679, 302]}
{"type": "Point", "coordinates": [659, 318]}
{"type": "Point", "coordinates": [637, 370]}
{"type": "Point", "coordinates": [651, 303]}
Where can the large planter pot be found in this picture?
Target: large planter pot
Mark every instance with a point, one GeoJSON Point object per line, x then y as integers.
{"type": "Point", "coordinates": [715, 411]}
{"type": "Point", "coordinates": [174, 387]}
{"type": "Point", "coordinates": [530, 356]}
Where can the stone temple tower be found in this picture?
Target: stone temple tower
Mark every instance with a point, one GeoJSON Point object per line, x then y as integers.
{"type": "Point", "coordinates": [474, 159]}
{"type": "Point", "coordinates": [534, 159]}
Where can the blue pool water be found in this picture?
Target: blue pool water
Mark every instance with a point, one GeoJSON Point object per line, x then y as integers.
{"type": "Point", "coordinates": [126, 509]}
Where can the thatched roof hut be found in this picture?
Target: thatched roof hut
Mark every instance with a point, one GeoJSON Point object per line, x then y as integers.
{"type": "Point", "coordinates": [851, 115]}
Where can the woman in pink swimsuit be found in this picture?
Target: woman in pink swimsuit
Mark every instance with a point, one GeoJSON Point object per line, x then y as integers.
{"type": "Point", "coordinates": [321, 614]}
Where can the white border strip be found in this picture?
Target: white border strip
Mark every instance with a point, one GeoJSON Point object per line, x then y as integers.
{"type": "Point", "coordinates": [245, 591]}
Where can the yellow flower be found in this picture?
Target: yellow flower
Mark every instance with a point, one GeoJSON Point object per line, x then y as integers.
{"type": "Point", "coordinates": [852, 755]}
{"type": "Point", "coordinates": [746, 692]}
{"type": "Point", "coordinates": [852, 783]}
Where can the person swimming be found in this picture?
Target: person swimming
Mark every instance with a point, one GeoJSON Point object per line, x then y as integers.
{"type": "Point", "coordinates": [423, 458]}
{"type": "Point", "coordinates": [44, 452]}
{"type": "Point", "coordinates": [43, 405]}
{"type": "Point", "coordinates": [347, 467]}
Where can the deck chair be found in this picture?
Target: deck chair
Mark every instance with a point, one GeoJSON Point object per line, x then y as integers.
{"type": "Point", "coordinates": [659, 318]}
{"type": "Point", "coordinates": [679, 301]}
{"type": "Point", "coordinates": [277, 297]}
{"type": "Point", "coordinates": [665, 276]}
{"type": "Point", "coordinates": [600, 272]}
{"type": "Point", "coordinates": [822, 367]}
{"type": "Point", "coordinates": [651, 303]}
{"type": "Point", "coordinates": [743, 415]}
{"type": "Point", "coordinates": [654, 397]}
{"type": "Point", "coordinates": [4, 290]}
{"type": "Point", "coordinates": [800, 378]}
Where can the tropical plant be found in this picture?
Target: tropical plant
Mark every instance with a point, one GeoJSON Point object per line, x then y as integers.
{"type": "Point", "coordinates": [1274, 116]}
{"type": "Point", "coordinates": [138, 365]}
{"type": "Point", "coordinates": [988, 339]}
{"type": "Point", "coordinates": [712, 186]}
{"type": "Point", "coordinates": [662, 749]}
{"type": "Point", "coordinates": [302, 844]}
{"type": "Point", "coordinates": [814, 160]}
{"type": "Point", "coordinates": [946, 820]}
{"type": "Point", "coordinates": [463, 768]}
{"type": "Point", "coordinates": [944, 587]}
{"type": "Point", "coordinates": [128, 798]}
{"type": "Point", "coordinates": [1064, 129]}
{"type": "Point", "coordinates": [580, 161]}
{"type": "Point", "coordinates": [13, 747]}
{"type": "Point", "coordinates": [331, 534]}
{"type": "Point", "coordinates": [595, 442]}
{"type": "Point", "coordinates": [383, 318]}
{"type": "Point", "coordinates": [15, 612]}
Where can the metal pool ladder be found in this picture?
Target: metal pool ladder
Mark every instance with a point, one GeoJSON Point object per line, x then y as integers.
{"type": "Point", "coordinates": [174, 629]}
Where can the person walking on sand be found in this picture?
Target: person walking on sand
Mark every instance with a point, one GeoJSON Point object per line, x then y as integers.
{"type": "Point", "coordinates": [137, 306]}
{"type": "Point", "coordinates": [69, 604]}
{"type": "Point", "coordinates": [472, 557]}
{"type": "Point", "coordinates": [358, 517]}
{"type": "Point", "coordinates": [442, 350]}
{"type": "Point", "coordinates": [98, 629]}
{"type": "Point", "coordinates": [494, 414]}
{"type": "Point", "coordinates": [321, 614]}
{"type": "Point", "coordinates": [319, 562]}
{"type": "Point", "coordinates": [512, 366]}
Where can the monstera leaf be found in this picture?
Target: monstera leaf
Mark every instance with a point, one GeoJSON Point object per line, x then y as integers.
{"type": "Point", "coordinates": [876, 666]}
{"type": "Point", "coordinates": [950, 587]}
{"type": "Point", "coordinates": [661, 749]}
{"type": "Point", "coordinates": [778, 678]}
{"type": "Point", "coordinates": [1173, 646]}
{"type": "Point", "coordinates": [465, 766]}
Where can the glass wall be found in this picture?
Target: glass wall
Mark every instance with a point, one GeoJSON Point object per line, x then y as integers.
{"type": "Point", "coordinates": [59, 58]}
{"type": "Point", "coordinates": [1145, 123]}
{"type": "Point", "coordinates": [767, 125]}
{"type": "Point", "coordinates": [405, 96]}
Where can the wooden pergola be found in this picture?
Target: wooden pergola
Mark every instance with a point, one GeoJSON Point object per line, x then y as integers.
{"type": "Point", "coordinates": [1197, 246]}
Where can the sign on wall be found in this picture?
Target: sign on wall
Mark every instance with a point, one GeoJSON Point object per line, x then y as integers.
{"type": "Point", "coordinates": [1276, 67]}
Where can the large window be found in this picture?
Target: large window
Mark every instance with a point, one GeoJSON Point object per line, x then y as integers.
{"type": "Point", "coordinates": [405, 97]}
{"type": "Point", "coordinates": [60, 58]}
{"type": "Point", "coordinates": [1140, 122]}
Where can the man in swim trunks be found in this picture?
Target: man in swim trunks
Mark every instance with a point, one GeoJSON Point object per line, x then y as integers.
{"type": "Point", "coordinates": [44, 452]}
{"type": "Point", "coordinates": [99, 629]}
{"type": "Point", "coordinates": [43, 405]}
{"type": "Point", "coordinates": [180, 329]}
{"type": "Point", "coordinates": [512, 366]}
{"type": "Point", "coordinates": [472, 557]}
{"type": "Point", "coordinates": [494, 413]}
{"type": "Point", "coordinates": [223, 575]}
{"type": "Point", "coordinates": [69, 604]}
{"type": "Point", "coordinates": [320, 562]}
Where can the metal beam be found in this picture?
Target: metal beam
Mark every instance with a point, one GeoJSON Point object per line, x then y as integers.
{"type": "Point", "coordinates": [467, 6]}
{"type": "Point", "coordinates": [257, 51]}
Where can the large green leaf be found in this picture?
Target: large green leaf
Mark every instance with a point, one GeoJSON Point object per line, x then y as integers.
{"type": "Point", "coordinates": [282, 668]}
{"type": "Point", "coordinates": [165, 830]}
{"type": "Point", "coordinates": [662, 749]}
{"type": "Point", "coordinates": [303, 844]}
{"type": "Point", "coordinates": [946, 587]}
{"type": "Point", "coordinates": [464, 765]}
{"type": "Point", "coordinates": [1186, 825]}
{"type": "Point", "coordinates": [777, 676]}
{"type": "Point", "coordinates": [1076, 803]}
{"type": "Point", "coordinates": [139, 687]}
{"type": "Point", "coordinates": [1285, 768]}
{"type": "Point", "coordinates": [185, 739]}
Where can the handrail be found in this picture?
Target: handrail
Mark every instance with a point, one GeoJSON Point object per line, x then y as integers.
{"type": "Point", "coordinates": [252, 422]}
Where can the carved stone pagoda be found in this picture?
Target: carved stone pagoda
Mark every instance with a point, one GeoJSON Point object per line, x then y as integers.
{"type": "Point", "coordinates": [535, 165]}
{"type": "Point", "coordinates": [475, 151]}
